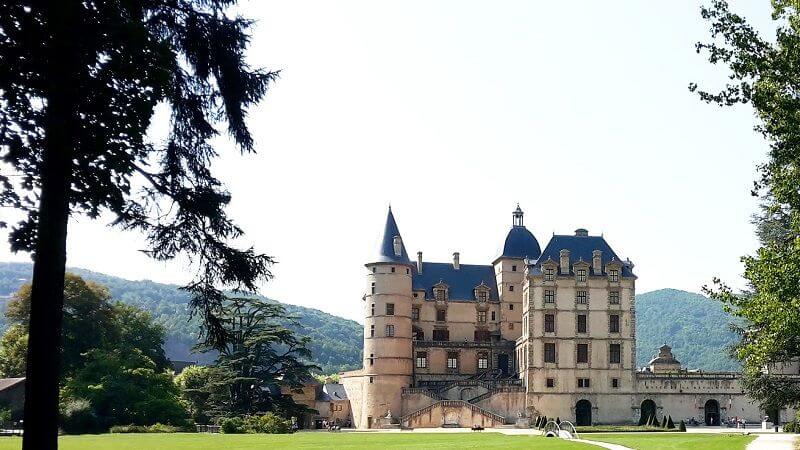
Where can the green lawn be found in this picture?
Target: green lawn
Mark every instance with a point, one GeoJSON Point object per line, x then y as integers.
{"type": "Point", "coordinates": [323, 440]}
{"type": "Point", "coordinates": [676, 441]}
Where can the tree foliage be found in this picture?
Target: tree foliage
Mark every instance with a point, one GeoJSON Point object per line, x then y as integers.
{"type": "Point", "coordinates": [764, 74]}
{"type": "Point", "coordinates": [258, 357]}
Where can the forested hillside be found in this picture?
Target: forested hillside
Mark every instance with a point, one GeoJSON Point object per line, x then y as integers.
{"type": "Point", "coordinates": [696, 327]}
{"type": "Point", "coordinates": [336, 342]}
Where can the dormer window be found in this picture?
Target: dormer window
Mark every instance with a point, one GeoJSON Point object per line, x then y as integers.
{"type": "Point", "coordinates": [581, 275]}
{"type": "Point", "coordinates": [549, 273]}
{"type": "Point", "coordinates": [440, 291]}
{"type": "Point", "coordinates": [613, 275]}
{"type": "Point", "coordinates": [482, 295]}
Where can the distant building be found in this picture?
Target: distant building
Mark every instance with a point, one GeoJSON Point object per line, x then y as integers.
{"type": "Point", "coordinates": [536, 332]}
{"type": "Point", "coordinates": [12, 396]}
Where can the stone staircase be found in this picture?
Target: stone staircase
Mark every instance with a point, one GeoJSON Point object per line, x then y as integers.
{"type": "Point", "coordinates": [453, 403]}
{"type": "Point", "coordinates": [496, 390]}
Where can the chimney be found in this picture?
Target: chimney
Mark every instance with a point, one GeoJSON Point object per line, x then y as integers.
{"type": "Point", "coordinates": [456, 264]}
{"type": "Point", "coordinates": [582, 232]}
{"type": "Point", "coordinates": [398, 246]}
{"type": "Point", "coordinates": [597, 262]}
{"type": "Point", "coordinates": [564, 261]}
{"type": "Point", "coordinates": [419, 262]}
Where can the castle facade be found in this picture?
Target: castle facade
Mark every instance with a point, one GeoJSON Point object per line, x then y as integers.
{"type": "Point", "coordinates": [538, 332]}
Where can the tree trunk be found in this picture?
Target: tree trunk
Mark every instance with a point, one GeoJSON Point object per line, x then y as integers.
{"type": "Point", "coordinates": [49, 260]}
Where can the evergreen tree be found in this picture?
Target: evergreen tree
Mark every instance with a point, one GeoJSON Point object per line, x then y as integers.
{"type": "Point", "coordinates": [763, 73]}
{"type": "Point", "coordinates": [79, 84]}
{"type": "Point", "coordinates": [258, 356]}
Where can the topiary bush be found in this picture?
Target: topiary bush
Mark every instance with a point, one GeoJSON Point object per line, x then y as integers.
{"type": "Point", "coordinates": [670, 423]}
{"type": "Point", "coordinates": [682, 426]}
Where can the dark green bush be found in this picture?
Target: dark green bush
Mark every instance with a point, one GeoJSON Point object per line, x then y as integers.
{"type": "Point", "coordinates": [232, 425]}
{"type": "Point", "coordinates": [682, 426]}
{"type": "Point", "coordinates": [670, 423]}
{"type": "Point", "coordinates": [77, 417]}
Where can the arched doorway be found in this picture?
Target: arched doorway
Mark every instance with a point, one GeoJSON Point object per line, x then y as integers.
{"type": "Point", "coordinates": [648, 412]}
{"type": "Point", "coordinates": [583, 413]}
{"type": "Point", "coordinates": [712, 412]}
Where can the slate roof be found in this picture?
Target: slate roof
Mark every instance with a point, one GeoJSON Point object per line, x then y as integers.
{"type": "Point", "coordinates": [581, 248]}
{"type": "Point", "coordinates": [461, 282]}
{"type": "Point", "coordinates": [386, 247]}
{"type": "Point", "coordinates": [520, 243]}
{"type": "Point", "coordinates": [6, 383]}
{"type": "Point", "coordinates": [334, 391]}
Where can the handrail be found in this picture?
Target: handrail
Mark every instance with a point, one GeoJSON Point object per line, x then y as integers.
{"type": "Point", "coordinates": [424, 391]}
{"type": "Point", "coordinates": [497, 390]}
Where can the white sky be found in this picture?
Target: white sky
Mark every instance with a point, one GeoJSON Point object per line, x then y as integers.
{"type": "Point", "coordinates": [454, 112]}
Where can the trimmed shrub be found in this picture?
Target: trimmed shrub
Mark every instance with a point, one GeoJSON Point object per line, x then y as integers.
{"type": "Point", "coordinates": [558, 420]}
{"type": "Point", "coordinates": [664, 422]}
{"type": "Point", "coordinates": [682, 426]}
{"type": "Point", "coordinates": [77, 417]}
{"type": "Point", "coordinates": [232, 425]}
{"type": "Point", "coordinates": [269, 423]}
{"type": "Point", "coordinates": [155, 428]}
{"type": "Point", "coordinates": [670, 423]}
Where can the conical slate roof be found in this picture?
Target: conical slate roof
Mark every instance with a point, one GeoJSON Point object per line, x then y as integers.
{"type": "Point", "coordinates": [386, 251]}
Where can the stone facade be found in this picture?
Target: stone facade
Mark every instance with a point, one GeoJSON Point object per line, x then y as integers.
{"type": "Point", "coordinates": [538, 332]}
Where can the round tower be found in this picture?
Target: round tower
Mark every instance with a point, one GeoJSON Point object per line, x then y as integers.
{"type": "Point", "coordinates": [388, 359]}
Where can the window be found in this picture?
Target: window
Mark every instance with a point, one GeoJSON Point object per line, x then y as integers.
{"type": "Point", "coordinates": [549, 323]}
{"type": "Point", "coordinates": [392, 269]}
{"type": "Point", "coordinates": [549, 274]}
{"type": "Point", "coordinates": [510, 325]}
{"type": "Point", "coordinates": [510, 288]}
{"type": "Point", "coordinates": [371, 359]}
{"type": "Point", "coordinates": [389, 330]}
{"type": "Point", "coordinates": [613, 275]}
{"type": "Point", "coordinates": [390, 309]}
{"type": "Point", "coordinates": [440, 294]}
{"type": "Point", "coordinates": [581, 323]}
{"type": "Point", "coordinates": [493, 316]}
{"type": "Point", "coordinates": [373, 288]}
{"type": "Point", "coordinates": [583, 354]}
{"type": "Point", "coordinates": [614, 354]}
{"type": "Point", "coordinates": [513, 268]}
{"type": "Point", "coordinates": [581, 273]}
{"type": "Point", "coordinates": [417, 334]}
{"type": "Point", "coordinates": [549, 352]}
{"type": "Point", "coordinates": [371, 380]}
{"type": "Point", "coordinates": [452, 360]}
{"type": "Point", "coordinates": [414, 313]}
{"type": "Point", "coordinates": [511, 306]}
{"type": "Point", "coordinates": [550, 382]}
{"type": "Point", "coordinates": [582, 297]}
{"type": "Point", "coordinates": [482, 336]}
{"type": "Point", "coordinates": [441, 335]}
{"type": "Point", "coordinates": [483, 361]}
{"type": "Point", "coordinates": [549, 296]}
{"type": "Point", "coordinates": [422, 360]}
{"type": "Point", "coordinates": [615, 383]}
{"type": "Point", "coordinates": [372, 331]}
{"type": "Point", "coordinates": [373, 269]}
{"type": "Point", "coordinates": [583, 382]}
{"type": "Point", "coordinates": [408, 271]}
{"type": "Point", "coordinates": [416, 294]}
{"type": "Point", "coordinates": [483, 295]}
{"type": "Point", "coordinates": [613, 297]}
{"type": "Point", "coordinates": [441, 315]}
{"type": "Point", "coordinates": [373, 309]}
{"type": "Point", "coordinates": [613, 323]}
{"type": "Point", "coordinates": [481, 316]}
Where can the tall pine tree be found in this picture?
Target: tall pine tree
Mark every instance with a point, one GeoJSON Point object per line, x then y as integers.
{"type": "Point", "coordinates": [79, 83]}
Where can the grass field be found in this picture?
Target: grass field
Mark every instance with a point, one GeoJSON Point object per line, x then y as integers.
{"type": "Point", "coordinates": [384, 441]}
{"type": "Point", "coordinates": [190, 441]}
{"type": "Point", "coordinates": [676, 441]}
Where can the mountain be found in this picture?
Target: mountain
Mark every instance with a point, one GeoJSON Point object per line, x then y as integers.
{"type": "Point", "coordinates": [696, 327]}
{"type": "Point", "coordinates": [335, 342]}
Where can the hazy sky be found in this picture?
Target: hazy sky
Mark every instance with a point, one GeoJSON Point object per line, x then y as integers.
{"type": "Point", "coordinates": [454, 112]}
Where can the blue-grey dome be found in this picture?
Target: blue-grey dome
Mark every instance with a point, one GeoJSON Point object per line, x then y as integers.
{"type": "Point", "coordinates": [520, 243]}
